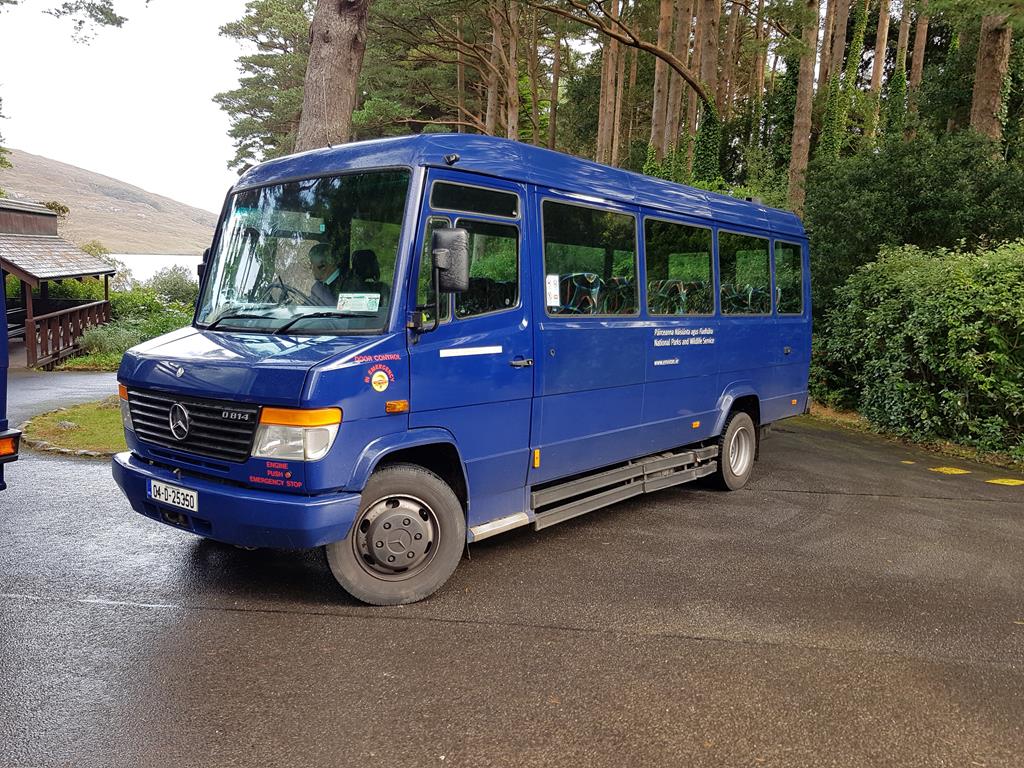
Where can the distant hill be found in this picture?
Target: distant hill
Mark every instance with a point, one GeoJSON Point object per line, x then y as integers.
{"type": "Point", "coordinates": [124, 218]}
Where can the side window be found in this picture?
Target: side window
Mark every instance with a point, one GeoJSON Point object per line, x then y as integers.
{"type": "Point", "coordinates": [679, 276]}
{"type": "Point", "coordinates": [745, 274]}
{"type": "Point", "coordinates": [424, 284]}
{"type": "Point", "coordinates": [460, 197]}
{"type": "Point", "coordinates": [789, 279]}
{"type": "Point", "coordinates": [493, 268]}
{"type": "Point", "coordinates": [589, 261]}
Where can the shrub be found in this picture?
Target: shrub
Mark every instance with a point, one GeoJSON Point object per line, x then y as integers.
{"type": "Point", "coordinates": [118, 337]}
{"type": "Point", "coordinates": [931, 345]}
{"type": "Point", "coordinates": [135, 304]}
{"type": "Point", "coordinates": [175, 284]}
{"type": "Point", "coordinates": [932, 193]}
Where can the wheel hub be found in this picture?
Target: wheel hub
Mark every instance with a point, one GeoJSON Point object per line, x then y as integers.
{"type": "Point", "coordinates": [395, 535]}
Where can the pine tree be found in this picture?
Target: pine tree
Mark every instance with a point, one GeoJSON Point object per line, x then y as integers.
{"type": "Point", "coordinates": [265, 108]}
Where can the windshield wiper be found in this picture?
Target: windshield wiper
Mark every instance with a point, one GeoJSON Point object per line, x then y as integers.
{"type": "Point", "coordinates": [315, 315]}
{"type": "Point", "coordinates": [235, 316]}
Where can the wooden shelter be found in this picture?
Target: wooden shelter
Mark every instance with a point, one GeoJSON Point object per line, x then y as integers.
{"type": "Point", "coordinates": [33, 252]}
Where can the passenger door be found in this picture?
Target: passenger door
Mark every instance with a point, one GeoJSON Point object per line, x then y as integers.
{"type": "Point", "coordinates": [590, 338]}
{"type": "Point", "coordinates": [681, 396]}
{"type": "Point", "coordinates": [749, 337]}
{"type": "Point", "coordinates": [473, 375]}
{"type": "Point", "coordinates": [792, 307]}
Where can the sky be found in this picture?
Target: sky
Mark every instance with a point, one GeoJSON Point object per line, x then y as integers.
{"type": "Point", "coordinates": [135, 103]}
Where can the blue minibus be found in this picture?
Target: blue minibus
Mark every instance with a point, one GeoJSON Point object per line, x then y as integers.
{"type": "Point", "coordinates": [9, 438]}
{"type": "Point", "coordinates": [406, 345]}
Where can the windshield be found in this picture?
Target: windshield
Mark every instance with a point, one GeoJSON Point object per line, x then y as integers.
{"type": "Point", "coordinates": [308, 257]}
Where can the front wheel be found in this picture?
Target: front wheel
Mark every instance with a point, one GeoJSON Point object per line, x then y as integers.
{"type": "Point", "coordinates": [736, 450]}
{"type": "Point", "coordinates": [406, 541]}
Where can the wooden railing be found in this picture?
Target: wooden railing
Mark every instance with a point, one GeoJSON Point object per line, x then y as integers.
{"type": "Point", "coordinates": [50, 338]}
{"type": "Point", "coordinates": [15, 323]}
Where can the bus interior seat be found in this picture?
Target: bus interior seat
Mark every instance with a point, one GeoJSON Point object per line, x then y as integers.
{"type": "Point", "coordinates": [579, 293]}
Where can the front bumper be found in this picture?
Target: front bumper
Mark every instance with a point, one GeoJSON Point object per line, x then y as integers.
{"type": "Point", "coordinates": [235, 515]}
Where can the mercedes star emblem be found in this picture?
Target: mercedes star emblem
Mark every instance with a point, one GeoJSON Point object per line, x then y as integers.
{"type": "Point", "coordinates": [179, 421]}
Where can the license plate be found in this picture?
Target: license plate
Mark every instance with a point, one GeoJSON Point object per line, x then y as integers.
{"type": "Point", "coordinates": [173, 495]}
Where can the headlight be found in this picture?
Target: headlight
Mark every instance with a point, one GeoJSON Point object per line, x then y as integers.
{"type": "Point", "coordinates": [126, 413]}
{"type": "Point", "coordinates": [296, 435]}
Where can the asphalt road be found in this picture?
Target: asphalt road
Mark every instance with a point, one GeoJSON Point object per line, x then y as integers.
{"type": "Point", "coordinates": [847, 609]}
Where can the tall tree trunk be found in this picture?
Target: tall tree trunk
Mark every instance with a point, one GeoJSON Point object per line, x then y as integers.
{"type": "Point", "coordinates": [904, 39]}
{"type": "Point", "coordinates": [460, 77]}
{"type": "Point", "coordinates": [556, 73]}
{"type": "Point", "coordinates": [839, 38]}
{"type": "Point", "coordinates": [711, 14]}
{"type": "Point", "coordinates": [606, 103]}
{"type": "Point", "coordinates": [512, 74]}
{"type": "Point", "coordinates": [338, 41]}
{"type": "Point", "coordinates": [620, 72]}
{"type": "Point", "coordinates": [881, 41]}
{"type": "Point", "coordinates": [491, 117]}
{"type": "Point", "coordinates": [659, 108]}
{"type": "Point", "coordinates": [631, 100]}
{"type": "Point", "coordinates": [757, 75]}
{"type": "Point", "coordinates": [801, 146]}
{"type": "Point", "coordinates": [533, 59]}
{"type": "Point", "coordinates": [757, 86]}
{"type": "Point", "coordinates": [677, 86]}
{"type": "Point", "coordinates": [825, 67]}
{"type": "Point", "coordinates": [989, 75]}
{"type": "Point", "coordinates": [920, 44]}
{"type": "Point", "coordinates": [725, 87]}
{"type": "Point", "coordinates": [692, 100]}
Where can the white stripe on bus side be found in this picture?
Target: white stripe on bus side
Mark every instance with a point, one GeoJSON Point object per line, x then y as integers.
{"type": "Point", "coordinates": [467, 351]}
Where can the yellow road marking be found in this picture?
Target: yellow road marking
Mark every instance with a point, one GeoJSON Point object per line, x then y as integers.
{"type": "Point", "coordinates": [1005, 481]}
{"type": "Point", "coordinates": [950, 470]}
{"type": "Point", "coordinates": [908, 462]}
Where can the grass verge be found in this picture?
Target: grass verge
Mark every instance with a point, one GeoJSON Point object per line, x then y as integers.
{"type": "Point", "coordinates": [87, 427]}
{"type": "Point", "coordinates": [99, 361]}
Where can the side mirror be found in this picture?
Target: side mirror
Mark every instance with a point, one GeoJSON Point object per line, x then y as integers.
{"type": "Point", "coordinates": [450, 249]}
{"type": "Point", "coordinates": [201, 267]}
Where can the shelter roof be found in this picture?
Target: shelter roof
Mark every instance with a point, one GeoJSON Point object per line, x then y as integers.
{"type": "Point", "coordinates": [38, 258]}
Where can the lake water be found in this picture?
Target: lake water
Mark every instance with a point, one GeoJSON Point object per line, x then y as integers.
{"type": "Point", "coordinates": [144, 265]}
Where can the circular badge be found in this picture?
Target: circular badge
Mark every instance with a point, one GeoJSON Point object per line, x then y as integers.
{"type": "Point", "coordinates": [379, 381]}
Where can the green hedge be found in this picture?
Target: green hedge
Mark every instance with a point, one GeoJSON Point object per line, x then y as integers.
{"type": "Point", "coordinates": [931, 345]}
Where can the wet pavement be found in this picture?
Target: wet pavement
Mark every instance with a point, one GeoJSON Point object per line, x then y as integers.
{"type": "Point", "coordinates": [847, 609]}
{"type": "Point", "coordinates": [32, 392]}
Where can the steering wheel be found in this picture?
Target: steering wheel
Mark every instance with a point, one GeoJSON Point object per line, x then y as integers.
{"type": "Point", "coordinates": [278, 292]}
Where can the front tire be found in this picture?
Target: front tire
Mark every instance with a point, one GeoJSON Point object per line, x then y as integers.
{"type": "Point", "coordinates": [737, 448]}
{"type": "Point", "coordinates": [406, 540]}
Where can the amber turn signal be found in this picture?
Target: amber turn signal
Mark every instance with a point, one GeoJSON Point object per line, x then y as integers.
{"type": "Point", "coordinates": [122, 391]}
{"type": "Point", "coordinates": [396, 406]}
{"type": "Point", "coordinates": [7, 446]}
{"type": "Point", "coordinates": [298, 417]}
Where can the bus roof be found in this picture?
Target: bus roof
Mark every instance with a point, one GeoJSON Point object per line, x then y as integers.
{"type": "Point", "coordinates": [516, 161]}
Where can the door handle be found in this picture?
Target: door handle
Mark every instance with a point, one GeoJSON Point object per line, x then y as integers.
{"type": "Point", "coordinates": [520, 362]}
{"type": "Point", "coordinates": [787, 350]}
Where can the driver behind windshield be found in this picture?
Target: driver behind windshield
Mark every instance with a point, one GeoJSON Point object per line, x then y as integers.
{"type": "Point", "coordinates": [325, 264]}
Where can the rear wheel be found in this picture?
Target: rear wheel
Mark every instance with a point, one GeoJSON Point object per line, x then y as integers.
{"type": "Point", "coordinates": [406, 541]}
{"type": "Point", "coordinates": [736, 450]}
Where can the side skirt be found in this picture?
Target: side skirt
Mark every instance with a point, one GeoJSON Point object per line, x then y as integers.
{"type": "Point", "coordinates": [564, 500]}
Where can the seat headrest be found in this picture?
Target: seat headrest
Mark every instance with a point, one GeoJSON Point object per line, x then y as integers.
{"type": "Point", "coordinates": [365, 265]}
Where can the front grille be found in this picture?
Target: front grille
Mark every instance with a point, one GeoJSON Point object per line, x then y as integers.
{"type": "Point", "coordinates": [210, 432]}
